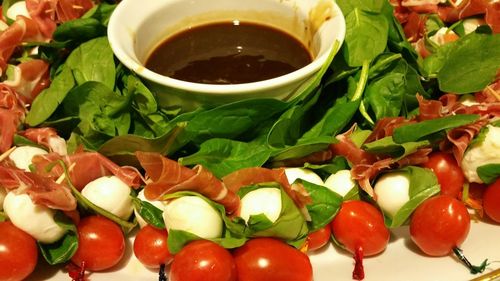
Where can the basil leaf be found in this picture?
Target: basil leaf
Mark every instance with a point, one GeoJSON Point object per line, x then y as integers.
{"type": "Point", "coordinates": [62, 250]}
{"type": "Point", "coordinates": [423, 185]}
{"type": "Point", "coordinates": [46, 103]}
{"type": "Point", "coordinates": [325, 205]}
{"type": "Point", "coordinates": [177, 239]}
{"type": "Point", "coordinates": [489, 173]}
{"type": "Point", "coordinates": [365, 38]}
{"type": "Point", "coordinates": [387, 146]}
{"type": "Point", "coordinates": [417, 131]}
{"type": "Point", "coordinates": [224, 156]}
{"type": "Point", "coordinates": [149, 212]}
{"type": "Point", "coordinates": [325, 170]}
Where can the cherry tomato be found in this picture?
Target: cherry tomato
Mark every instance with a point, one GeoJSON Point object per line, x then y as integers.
{"type": "Point", "coordinates": [439, 224]}
{"type": "Point", "coordinates": [359, 226]}
{"type": "Point", "coordinates": [491, 201]}
{"type": "Point", "coordinates": [18, 253]}
{"type": "Point", "coordinates": [203, 260]}
{"type": "Point", "coordinates": [101, 244]}
{"type": "Point", "coordinates": [267, 259]}
{"type": "Point", "coordinates": [150, 247]}
{"type": "Point", "coordinates": [319, 238]}
{"type": "Point", "coordinates": [448, 172]}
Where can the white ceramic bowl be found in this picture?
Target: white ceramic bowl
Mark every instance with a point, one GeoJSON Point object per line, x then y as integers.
{"type": "Point", "coordinates": [137, 27]}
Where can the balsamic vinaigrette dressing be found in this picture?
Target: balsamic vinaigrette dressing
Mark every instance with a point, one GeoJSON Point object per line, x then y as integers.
{"type": "Point", "coordinates": [228, 53]}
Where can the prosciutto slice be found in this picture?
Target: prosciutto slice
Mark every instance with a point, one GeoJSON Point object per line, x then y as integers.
{"type": "Point", "coordinates": [42, 190]}
{"type": "Point", "coordinates": [12, 112]}
{"type": "Point", "coordinates": [47, 137]}
{"type": "Point", "coordinates": [86, 167]}
{"type": "Point", "coordinates": [458, 139]}
{"type": "Point", "coordinates": [30, 78]}
{"type": "Point", "coordinates": [168, 176]}
{"type": "Point", "coordinates": [347, 148]}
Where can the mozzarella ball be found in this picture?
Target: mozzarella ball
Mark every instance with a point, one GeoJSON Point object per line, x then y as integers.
{"type": "Point", "coordinates": [443, 36]}
{"type": "Point", "coordinates": [265, 201]}
{"type": "Point", "coordinates": [194, 215]}
{"type": "Point", "coordinates": [471, 24]}
{"type": "Point", "coordinates": [36, 220]}
{"type": "Point", "coordinates": [158, 204]}
{"type": "Point", "coordinates": [3, 193]}
{"type": "Point", "coordinates": [341, 182]}
{"type": "Point", "coordinates": [486, 152]}
{"type": "Point", "coordinates": [111, 194]}
{"type": "Point", "coordinates": [22, 156]}
{"type": "Point", "coordinates": [293, 174]}
{"type": "Point", "coordinates": [18, 9]}
{"type": "Point", "coordinates": [392, 190]}
{"type": "Point", "coordinates": [468, 100]}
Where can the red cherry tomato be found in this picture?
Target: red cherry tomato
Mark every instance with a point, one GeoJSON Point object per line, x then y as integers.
{"type": "Point", "coordinates": [360, 227]}
{"type": "Point", "coordinates": [491, 201]}
{"type": "Point", "coordinates": [448, 172]}
{"type": "Point", "coordinates": [267, 259]}
{"type": "Point", "coordinates": [319, 238]}
{"type": "Point", "coordinates": [439, 224]}
{"type": "Point", "coordinates": [150, 247]}
{"type": "Point", "coordinates": [18, 253]}
{"type": "Point", "coordinates": [203, 260]}
{"type": "Point", "coordinates": [101, 244]}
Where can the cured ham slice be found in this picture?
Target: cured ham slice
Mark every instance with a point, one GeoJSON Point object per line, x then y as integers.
{"type": "Point", "coordinates": [30, 78]}
{"type": "Point", "coordinates": [12, 111]}
{"type": "Point", "coordinates": [493, 16]}
{"type": "Point", "coordinates": [42, 190]}
{"type": "Point", "coordinates": [458, 139]}
{"type": "Point", "coordinates": [414, 28]}
{"type": "Point", "coordinates": [250, 176]}
{"type": "Point", "coordinates": [22, 30]}
{"type": "Point", "coordinates": [385, 127]}
{"type": "Point", "coordinates": [347, 148]}
{"type": "Point", "coordinates": [168, 176]}
{"type": "Point", "coordinates": [86, 167]}
{"type": "Point", "coordinates": [47, 137]}
{"type": "Point", "coordinates": [48, 13]}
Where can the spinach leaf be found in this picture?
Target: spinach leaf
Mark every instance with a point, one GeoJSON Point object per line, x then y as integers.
{"type": "Point", "coordinates": [46, 103]}
{"type": "Point", "coordinates": [423, 185]}
{"type": "Point", "coordinates": [93, 61]}
{"type": "Point", "coordinates": [417, 131]}
{"type": "Point", "coordinates": [386, 146]}
{"type": "Point", "coordinates": [366, 36]}
{"type": "Point", "coordinates": [231, 120]}
{"type": "Point", "coordinates": [101, 12]}
{"type": "Point", "coordinates": [385, 95]}
{"type": "Point", "coordinates": [80, 30]}
{"type": "Point", "coordinates": [224, 156]}
{"type": "Point", "coordinates": [303, 149]}
{"type": "Point", "coordinates": [62, 250]}
{"type": "Point", "coordinates": [489, 173]}
{"type": "Point", "coordinates": [325, 205]}
{"type": "Point", "coordinates": [471, 65]}
{"type": "Point", "coordinates": [348, 6]}
{"type": "Point", "coordinates": [149, 212]}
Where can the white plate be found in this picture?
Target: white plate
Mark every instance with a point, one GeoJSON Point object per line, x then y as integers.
{"type": "Point", "coordinates": [401, 261]}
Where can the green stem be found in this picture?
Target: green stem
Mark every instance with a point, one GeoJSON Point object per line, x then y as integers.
{"type": "Point", "coordinates": [363, 78]}
{"type": "Point", "coordinates": [383, 62]}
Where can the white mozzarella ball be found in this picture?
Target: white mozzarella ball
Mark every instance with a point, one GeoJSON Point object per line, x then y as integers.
{"type": "Point", "coordinates": [36, 220]}
{"type": "Point", "coordinates": [22, 156]}
{"type": "Point", "coordinates": [341, 182]}
{"type": "Point", "coordinates": [484, 153]}
{"type": "Point", "coordinates": [265, 201]}
{"type": "Point", "coordinates": [18, 9]}
{"type": "Point", "coordinates": [471, 24]}
{"type": "Point", "coordinates": [392, 190]}
{"type": "Point", "coordinates": [194, 215]}
{"type": "Point", "coordinates": [293, 174]}
{"type": "Point", "coordinates": [158, 204]}
{"type": "Point", "coordinates": [3, 193]}
{"type": "Point", "coordinates": [111, 194]}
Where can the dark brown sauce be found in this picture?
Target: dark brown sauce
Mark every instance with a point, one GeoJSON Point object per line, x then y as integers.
{"type": "Point", "coordinates": [228, 53]}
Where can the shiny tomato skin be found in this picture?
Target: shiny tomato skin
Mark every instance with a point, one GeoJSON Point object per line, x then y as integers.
{"type": "Point", "coordinates": [491, 201]}
{"type": "Point", "coordinates": [268, 259]}
{"type": "Point", "coordinates": [151, 248]}
{"type": "Point", "coordinates": [360, 224]}
{"type": "Point", "coordinates": [439, 224]}
{"type": "Point", "coordinates": [101, 243]}
{"type": "Point", "coordinates": [449, 174]}
{"type": "Point", "coordinates": [203, 260]}
{"type": "Point", "coordinates": [18, 253]}
{"type": "Point", "coordinates": [319, 238]}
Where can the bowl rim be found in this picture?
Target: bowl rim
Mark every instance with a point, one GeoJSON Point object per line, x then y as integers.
{"type": "Point", "coordinates": [116, 41]}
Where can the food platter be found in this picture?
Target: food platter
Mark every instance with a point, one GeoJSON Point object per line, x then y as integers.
{"type": "Point", "coordinates": [400, 261]}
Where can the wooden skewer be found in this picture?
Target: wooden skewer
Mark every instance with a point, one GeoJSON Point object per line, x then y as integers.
{"type": "Point", "coordinates": [490, 276]}
{"type": "Point", "coordinates": [6, 153]}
